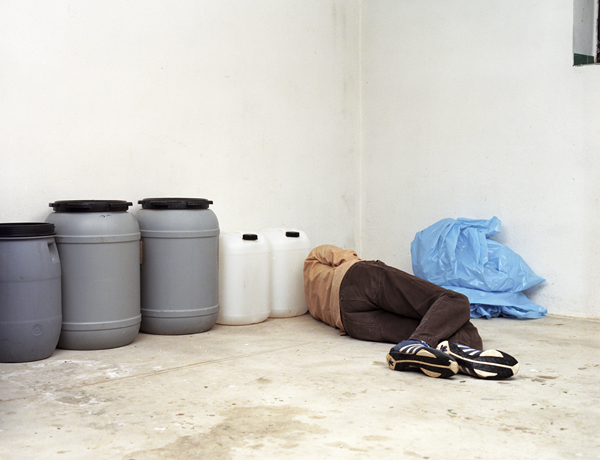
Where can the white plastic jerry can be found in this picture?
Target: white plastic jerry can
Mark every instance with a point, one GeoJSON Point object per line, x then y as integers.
{"type": "Point", "coordinates": [289, 249]}
{"type": "Point", "coordinates": [244, 278]}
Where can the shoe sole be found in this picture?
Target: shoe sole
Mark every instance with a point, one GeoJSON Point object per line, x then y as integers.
{"type": "Point", "coordinates": [490, 364]}
{"type": "Point", "coordinates": [430, 364]}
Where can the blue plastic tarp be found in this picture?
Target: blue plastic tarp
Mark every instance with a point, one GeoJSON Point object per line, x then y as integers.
{"type": "Point", "coordinates": [458, 254]}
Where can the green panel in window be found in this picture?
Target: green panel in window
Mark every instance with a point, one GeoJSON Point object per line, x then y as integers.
{"type": "Point", "coordinates": [582, 59]}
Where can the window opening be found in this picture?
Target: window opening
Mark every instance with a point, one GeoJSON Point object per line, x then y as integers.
{"type": "Point", "coordinates": [586, 33]}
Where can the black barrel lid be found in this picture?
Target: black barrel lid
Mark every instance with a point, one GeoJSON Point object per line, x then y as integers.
{"type": "Point", "coordinates": [90, 205]}
{"type": "Point", "coordinates": [26, 229]}
{"type": "Point", "coordinates": [292, 234]}
{"type": "Point", "coordinates": [175, 203]}
{"type": "Point", "coordinates": [250, 236]}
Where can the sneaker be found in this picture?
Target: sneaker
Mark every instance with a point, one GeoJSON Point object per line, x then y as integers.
{"type": "Point", "coordinates": [414, 355]}
{"type": "Point", "coordinates": [488, 364]}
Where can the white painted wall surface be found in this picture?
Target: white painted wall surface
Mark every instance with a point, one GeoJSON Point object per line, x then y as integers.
{"type": "Point", "coordinates": [474, 109]}
{"type": "Point", "coordinates": [252, 104]}
{"type": "Point", "coordinates": [469, 109]}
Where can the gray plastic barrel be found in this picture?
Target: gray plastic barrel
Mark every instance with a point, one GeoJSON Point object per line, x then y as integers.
{"type": "Point", "coordinates": [99, 247]}
{"type": "Point", "coordinates": [180, 271]}
{"type": "Point", "coordinates": [30, 303]}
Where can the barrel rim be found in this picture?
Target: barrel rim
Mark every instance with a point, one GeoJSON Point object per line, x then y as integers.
{"type": "Point", "coordinates": [75, 206]}
{"type": "Point", "coordinates": [175, 203]}
{"type": "Point", "coordinates": [26, 229]}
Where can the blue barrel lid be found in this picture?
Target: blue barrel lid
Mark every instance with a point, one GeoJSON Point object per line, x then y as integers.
{"type": "Point", "coordinates": [26, 229]}
{"type": "Point", "coordinates": [90, 206]}
{"type": "Point", "coordinates": [175, 203]}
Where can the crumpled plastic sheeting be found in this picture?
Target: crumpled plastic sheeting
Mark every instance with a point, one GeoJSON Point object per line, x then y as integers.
{"type": "Point", "coordinates": [458, 255]}
{"type": "Point", "coordinates": [494, 304]}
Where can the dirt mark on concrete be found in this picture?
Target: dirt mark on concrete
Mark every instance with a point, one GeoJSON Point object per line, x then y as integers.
{"type": "Point", "coordinates": [242, 428]}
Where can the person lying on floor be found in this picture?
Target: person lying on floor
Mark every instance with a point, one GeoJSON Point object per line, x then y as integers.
{"type": "Point", "coordinates": [369, 300]}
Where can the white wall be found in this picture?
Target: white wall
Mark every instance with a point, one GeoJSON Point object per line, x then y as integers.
{"type": "Point", "coordinates": [474, 109]}
{"type": "Point", "coordinates": [469, 109]}
{"type": "Point", "coordinates": [252, 104]}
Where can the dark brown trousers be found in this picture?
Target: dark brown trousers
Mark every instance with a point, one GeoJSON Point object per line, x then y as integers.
{"type": "Point", "coordinates": [379, 303]}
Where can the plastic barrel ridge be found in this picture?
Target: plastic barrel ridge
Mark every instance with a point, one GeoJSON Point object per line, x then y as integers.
{"type": "Point", "coordinates": [30, 292]}
{"type": "Point", "coordinates": [180, 268]}
{"type": "Point", "coordinates": [289, 249]}
{"type": "Point", "coordinates": [99, 246]}
{"type": "Point", "coordinates": [244, 278]}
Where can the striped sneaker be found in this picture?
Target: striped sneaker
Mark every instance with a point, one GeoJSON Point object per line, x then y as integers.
{"type": "Point", "coordinates": [488, 364]}
{"type": "Point", "coordinates": [414, 355]}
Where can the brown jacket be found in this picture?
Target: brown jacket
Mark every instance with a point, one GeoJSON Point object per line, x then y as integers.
{"type": "Point", "coordinates": [324, 269]}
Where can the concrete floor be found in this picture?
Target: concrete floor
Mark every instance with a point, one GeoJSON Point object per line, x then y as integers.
{"type": "Point", "coordinates": [294, 388]}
